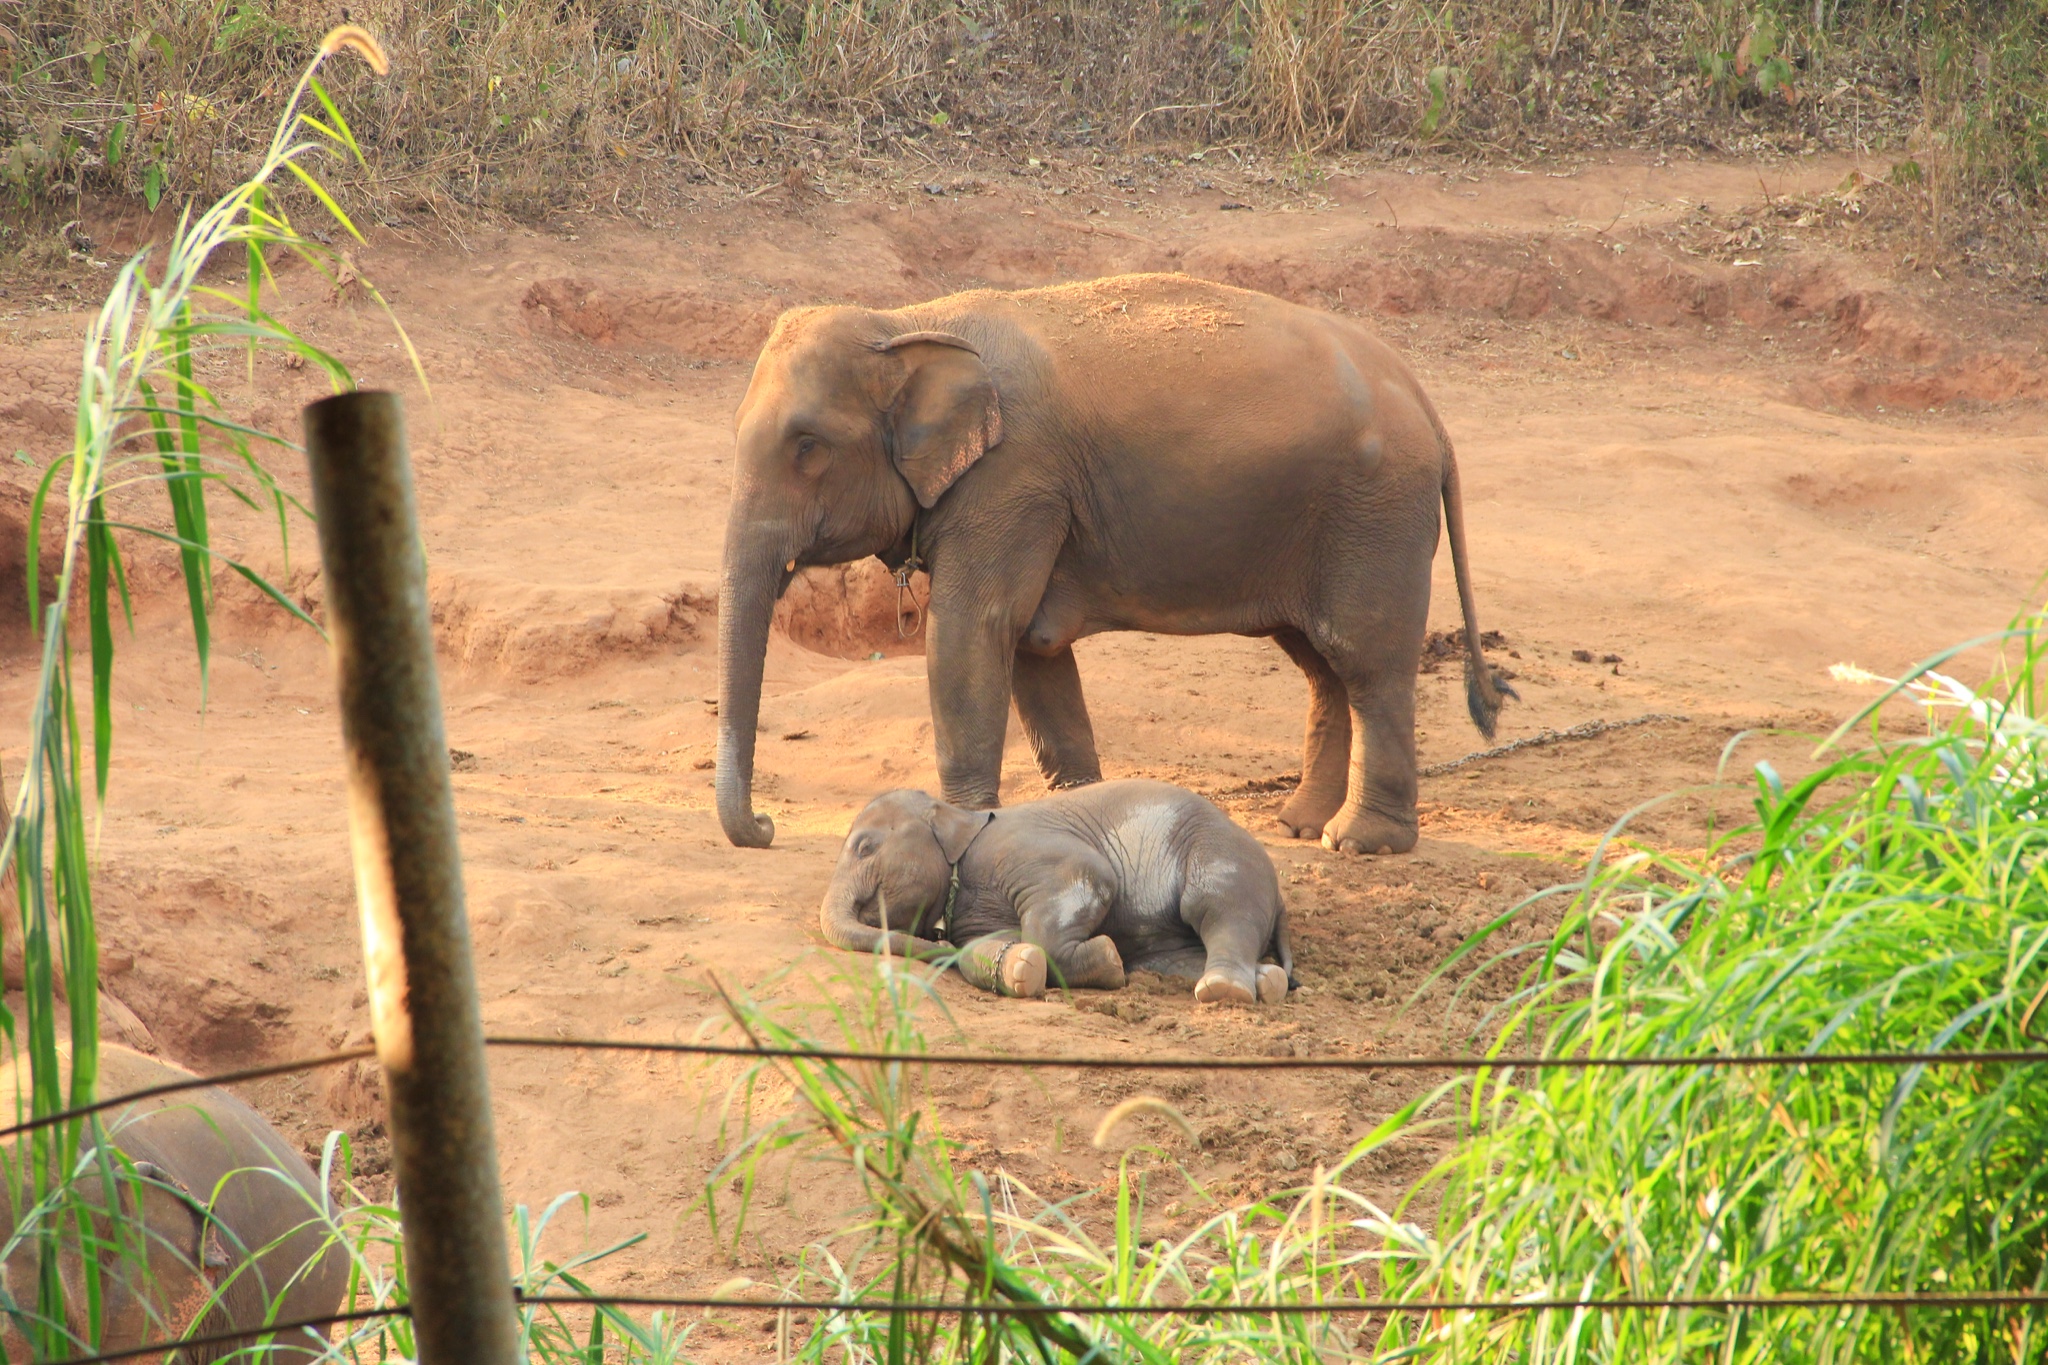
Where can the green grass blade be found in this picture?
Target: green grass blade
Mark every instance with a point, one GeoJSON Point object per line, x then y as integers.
{"type": "Point", "coordinates": [100, 554]}
{"type": "Point", "coordinates": [178, 484]}
{"type": "Point", "coordinates": [33, 573]}
{"type": "Point", "coordinates": [319, 192]}
{"type": "Point", "coordinates": [255, 579]}
{"type": "Point", "coordinates": [337, 126]}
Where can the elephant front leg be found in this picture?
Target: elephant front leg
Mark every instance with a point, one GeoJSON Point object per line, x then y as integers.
{"type": "Point", "coordinates": [1047, 689]}
{"type": "Point", "coordinates": [1326, 747]}
{"type": "Point", "coordinates": [1378, 815]}
{"type": "Point", "coordinates": [968, 664]}
{"type": "Point", "coordinates": [1062, 914]}
{"type": "Point", "coordinates": [1005, 964]}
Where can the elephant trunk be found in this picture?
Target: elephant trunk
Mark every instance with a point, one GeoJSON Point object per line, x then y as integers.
{"type": "Point", "coordinates": [746, 607]}
{"type": "Point", "coordinates": [839, 917]}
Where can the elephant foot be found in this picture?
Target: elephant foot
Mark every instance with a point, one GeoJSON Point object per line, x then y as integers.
{"type": "Point", "coordinates": [1272, 985]}
{"type": "Point", "coordinates": [1220, 987]}
{"type": "Point", "coordinates": [1304, 815]}
{"type": "Point", "coordinates": [1367, 831]}
{"type": "Point", "coordinates": [1004, 965]}
{"type": "Point", "coordinates": [1094, 965]}
{"type": "Point", "coordinates": [1022, 973]}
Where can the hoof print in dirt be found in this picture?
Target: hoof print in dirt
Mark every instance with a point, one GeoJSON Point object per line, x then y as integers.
{"type": "Point", "coordinates": [1072, 891]}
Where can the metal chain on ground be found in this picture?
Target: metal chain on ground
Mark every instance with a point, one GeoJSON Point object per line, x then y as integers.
{"type": "Point", "coordinates": [1542, 737]}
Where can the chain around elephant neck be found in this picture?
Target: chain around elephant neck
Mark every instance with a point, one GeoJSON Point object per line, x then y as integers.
{"type": "Point", "coordinates": [944, 923]}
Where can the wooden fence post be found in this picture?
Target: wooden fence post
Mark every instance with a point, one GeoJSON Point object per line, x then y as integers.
{"type": "Point", "coordinates": [423, 1001]}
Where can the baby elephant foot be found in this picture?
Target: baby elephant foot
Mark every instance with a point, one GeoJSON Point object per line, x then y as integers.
{"type": "Point", "coordinates": [1272, 985]}
{"type": "Point", "coordinates": [1367, 831]}
{"type": "Point", "coordinates": [1221, 986]}
{"type": "Point", "coordinates": [1094, 965]}
{"type": "Point", "coordinates": [1021, 971]}
{"type": "Point", "coordinates": [1005, 966]}
{"type": "Point", "coordinates": [1266, 986]}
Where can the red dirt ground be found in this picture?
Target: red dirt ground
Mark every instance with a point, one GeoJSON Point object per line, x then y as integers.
{"type": "Point", "coordinates": [1699, 430]}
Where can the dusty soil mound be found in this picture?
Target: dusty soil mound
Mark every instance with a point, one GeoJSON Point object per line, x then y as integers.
{"type": "Point", "coordinates": [1884, 348]}
{"type": "Point", "coordinates": [1847, 334]}
{"type": "Point", "coordinates": [536, 632]}
{"type": "Point", "coordinates": [854, 611]}
{"type": "Point", "coordinates": [682, 320]}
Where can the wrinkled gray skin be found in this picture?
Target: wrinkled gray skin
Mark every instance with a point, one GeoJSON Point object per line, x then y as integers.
{"type": "Point", "coordinates": [190, 1151]}
{"type": "Point", "coordinates": [1102, 879]}
{"type": "Point", "coordinates": [1149, 452]}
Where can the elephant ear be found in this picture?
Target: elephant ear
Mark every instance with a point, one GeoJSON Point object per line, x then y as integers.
{"type": "Point", "coordinates": [945, 416]}
{"type": "Point", "coordinates": [955, 828]}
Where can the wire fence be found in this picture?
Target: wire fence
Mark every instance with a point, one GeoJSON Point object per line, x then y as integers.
{"type": "Point", "coordinates": [1898, 1300]}
{"type": "Point", "coordinates": [1289, 1308]}
{"type": "Point", "coordinates": [1054, 1061]}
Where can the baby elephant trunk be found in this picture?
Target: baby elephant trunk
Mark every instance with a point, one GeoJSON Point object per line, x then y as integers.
{"type": "Point", "coordinates": [839, 917]}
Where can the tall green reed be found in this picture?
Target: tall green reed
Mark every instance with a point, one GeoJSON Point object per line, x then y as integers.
{"type": "Point", "coordinates": [370, 1232]}
{"type": "Point", "coordinates": [1896, 899]}
{"type": "Point", "coordinates": [143, 418]}
{"type": "Point", "coordinates": [932, 1227]}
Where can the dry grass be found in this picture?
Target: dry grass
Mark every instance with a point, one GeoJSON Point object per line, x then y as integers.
{"type": "Point", "coordinates": [525, 105]}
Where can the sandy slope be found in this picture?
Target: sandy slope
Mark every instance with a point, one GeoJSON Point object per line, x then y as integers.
{"type": "Point", "coordinates": [1698, 465]}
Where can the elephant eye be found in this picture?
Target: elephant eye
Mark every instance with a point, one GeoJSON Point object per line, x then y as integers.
{"type": "Point", "coordinates": [805, 445]}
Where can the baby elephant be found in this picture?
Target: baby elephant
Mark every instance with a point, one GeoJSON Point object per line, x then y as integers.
{"type": "Point", "coordinates": [1081, 886]}
{"type": "Point", "coordinates": [211, 1222]}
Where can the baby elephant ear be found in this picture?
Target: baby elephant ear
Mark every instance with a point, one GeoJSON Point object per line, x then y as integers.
{"type": "Point", "coordinates": [945, 415]}
{"type": "Point", "coordinates": [955, 828]}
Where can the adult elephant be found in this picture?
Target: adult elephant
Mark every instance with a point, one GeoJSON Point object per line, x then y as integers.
{"type": "Point", "coordinates": [1145, 452]}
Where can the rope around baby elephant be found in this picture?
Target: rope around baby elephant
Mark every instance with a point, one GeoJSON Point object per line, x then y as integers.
{"type": "Point", "coordinates": [1543, 737]}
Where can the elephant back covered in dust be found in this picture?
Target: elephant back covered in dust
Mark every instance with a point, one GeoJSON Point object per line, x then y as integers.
{"type": "Point", "coordinates": [205, 1219]}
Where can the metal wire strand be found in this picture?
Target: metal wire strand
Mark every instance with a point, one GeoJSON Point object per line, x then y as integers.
{"type": "Point", "coordinates": [150, 1092]}
{"type": "Point", "coordinates": [240, 1334]}
{"type": "Point", "coordinates": [1449, 1063]}
{"type": "Point", "coordinates": [1725, 1303]}
{"type": "Point", "coordinates": [1721, 1303]}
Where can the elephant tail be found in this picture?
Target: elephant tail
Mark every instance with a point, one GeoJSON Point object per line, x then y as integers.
{"type": "Point", "coordinates": [1485, 689]}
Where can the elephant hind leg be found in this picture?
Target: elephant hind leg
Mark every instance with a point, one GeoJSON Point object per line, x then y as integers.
{"type": "Point", "coordinates": [1047, 691]}
{"type": "Point", "coordinates": [1233, 903]}
{"type": "Point", "coordinates": [1379, 814]}
{"type": "Point", "coordinates": [1326, 748]}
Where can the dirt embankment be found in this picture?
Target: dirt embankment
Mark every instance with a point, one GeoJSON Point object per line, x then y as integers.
{"type": "Point", "coordinates": [1699, 467]}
